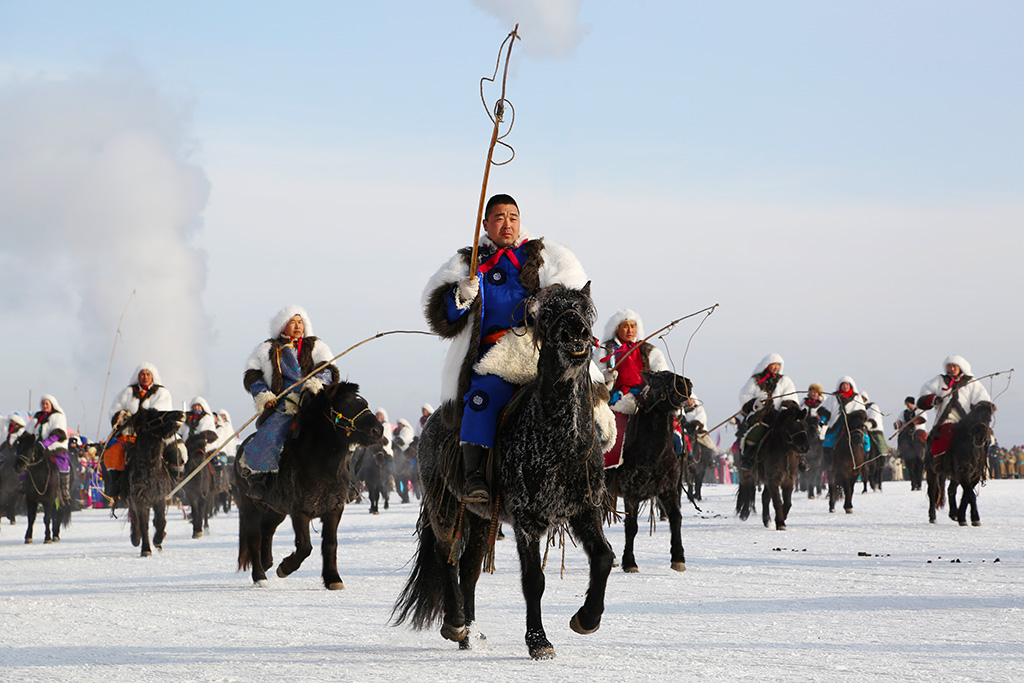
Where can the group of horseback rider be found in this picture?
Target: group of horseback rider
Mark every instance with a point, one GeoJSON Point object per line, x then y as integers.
{"type": "Point", "coordinates": [202, 429]}
{"type": "Point", "coordinates": [952, 394]}
{"type": "Point", "coordinates": [486, 316]}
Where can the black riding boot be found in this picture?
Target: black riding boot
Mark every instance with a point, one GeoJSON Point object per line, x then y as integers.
{"type": "Point", "coordinates": [112, 484]}
{"type": "Point", "coordinates": [257, 485]}
{"type": "Point", "coordinates": [474, 460]}
{"type": "Point", "coordinates": [65, 487]}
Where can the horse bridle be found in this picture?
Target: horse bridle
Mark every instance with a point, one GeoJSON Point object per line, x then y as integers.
{"type": "Point", "coordinates": [337, 419]}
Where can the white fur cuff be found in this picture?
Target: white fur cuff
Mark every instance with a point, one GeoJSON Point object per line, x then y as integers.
{"type": "Point", "coordinates": [291, 403]}
{"type": "Point", "coordinates": [314, 386]}
{"type": "Point", "coordinates": [262, 399]}
{"type": "Point", "coordinates": [604, 420]}
{"type": "Point", "coordinates": [625, 405]}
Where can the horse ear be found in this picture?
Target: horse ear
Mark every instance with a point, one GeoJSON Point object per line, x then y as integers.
{"type": "Point", "coordinates": [586, 288]}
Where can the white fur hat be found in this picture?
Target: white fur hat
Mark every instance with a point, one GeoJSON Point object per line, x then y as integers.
{"type": "Point", "coordinates": [620, 316]}
{"type": "Point", "coordinates": [768, 360]}
{"type": "Point", "coordinates": [146, 366]}
{"type": "Point", "coordinates": [965, 367]}
{"type": "Point", "coordinates": [278, 322]}
{"type": "Point", "coordinates": [53, 402]}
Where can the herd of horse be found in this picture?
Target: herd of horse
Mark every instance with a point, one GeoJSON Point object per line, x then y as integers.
{"type": "Point", "coordinates": [547, 475]}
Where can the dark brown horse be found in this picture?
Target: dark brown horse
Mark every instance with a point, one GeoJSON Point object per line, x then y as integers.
{"type": "Point", "coordinates": [42, 487]}
{"type": "Point", "coordinates": [149, 482]}
{"type": "Point", "coordinates": [775, 465]}
{"type": "Point", "coordinates": [313, 482]}
{"type": "Point", "coordinates": [551, 475]}
{"type": "Point", "coordinates": [650, 468]}
{"type": "Point", "coordinates": [847, 459]}
{"type": "Point", "coordinates": [964, 462]}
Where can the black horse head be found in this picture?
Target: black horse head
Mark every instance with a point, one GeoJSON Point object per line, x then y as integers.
{"type": "Point", "coordinates": [665, 386]}
{"type": "Point", "coordinates": [347, 412]}
{"type": "Point", "coordinates": [29, 451]}
{"type": "Point", "coordinates": [979, 420]}
{"type": "Point", "coordinates": [159, 424]}
{"type": "Point", "coordinates": [564, 319]}
{"type": "Point", "coordinates": [791, 422]}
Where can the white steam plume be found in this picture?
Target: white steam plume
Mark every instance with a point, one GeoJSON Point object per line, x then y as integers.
{"type": "Point", "coordinates": [550, 28]}
{"type": "Point", "coordinates": [98, 197]}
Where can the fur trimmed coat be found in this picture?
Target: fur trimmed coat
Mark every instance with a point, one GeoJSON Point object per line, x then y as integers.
{"type": "Point", "coordinates": [784, 388]}
{"type": "Point", "coordinates": [52, 424]}
{"type": "Point", "coordinates": [132, 398]}
{"type": "Point", "coordinates": [941, 388]}
{"type": "Point", "coordinates": [547, 263]}
{"type": "Point", "coordinates": [263, 379]}
{"type": "Point", "coordinates": [835, 406]}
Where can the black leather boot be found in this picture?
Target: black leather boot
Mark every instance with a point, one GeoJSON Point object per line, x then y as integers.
{"type": "Point", "coordinates": [112, 484]}
{"type": "Point", "coordinates": [257, 485]}
{"type": "Point", "coordinates": [65, 487]}
{"type": "Point", "coordinates": [474, 460]}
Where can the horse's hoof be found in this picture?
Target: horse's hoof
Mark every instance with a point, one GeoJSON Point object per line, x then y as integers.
{"type": "Point", "coordinates": [280, 572]}
{"type": "Point", "coordinates": [336, 586]}
{"type": "Point", "coordinates": [975, 522]}
{"type": "Point", "coordinates": [197, 534]}
{"type": "Point", "coordinates": [543, 652]}
{"type": "Point", "coordinates": [28, 540]}
{"type": "Point", "coordinates": [931, 521]}
{"type": "Point", "coordinates": [454, 633]}
{"type": "Point", "coordinates": [576, 626]}
{"type": "Point", "coordinates": [260, 583]}
{"type": "Point", "coordinates": [147, 553]}
{"type": "Point", "coordinates": [964, 523]}
{"type": "Point", "coordinates": [780, 527]}
{"type": "Point", "coordinates": [50, 540]}
{"type": "Point", "coordinates": [615, 562]}
{"type": "Point", "coordinates": [679, 566]}
{"type": "Point", "coordinates": [631, 570]}
{"type": "Point", "coordinates": [849, 511]}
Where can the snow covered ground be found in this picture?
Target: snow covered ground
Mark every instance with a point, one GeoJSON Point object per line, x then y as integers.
{"type": "Point", "coordinates": [927, 602]}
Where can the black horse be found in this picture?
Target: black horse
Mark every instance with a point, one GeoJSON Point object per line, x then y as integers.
{"type": "Point", "coordinates": [10, 496]}
{"type": "Point", "coordinates": [847, 459]}
{"type": "Point", "coordinates": [371, 465]}
{"type": "Point", "coordinates": [405, 470]}
{"type": "Point", "coordinates": [813, 480]}
{"type": "Point", "coordinates": [696, 463]}
{"type": "Point", "coordinates": [964, 463]}
{"type": "Point", "coordinates": [550, 464]}
{"type": "Point", "coordinates": [774, 465]}
{"type": "Point", "coordinates": [650, 468]}
{"type": "Point", "coordinates": [149, 481]}
{"type": "Point", "coordinates": [313, 482]}
{"type": "Point", "coordinates": [910, 444]}
{"type": "Point", "coordinates": [198, 491]}
{"type": "Point", "coordinates": [42, 487]}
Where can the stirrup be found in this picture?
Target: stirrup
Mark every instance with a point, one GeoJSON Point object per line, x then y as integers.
{"type": "Point", "coordinates": [477, 491]}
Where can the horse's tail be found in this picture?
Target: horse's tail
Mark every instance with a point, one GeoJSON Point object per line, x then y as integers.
{"type": "Point", "coordinates": [745, 497]}
{"type": "Point", "coordinates": [245, 521]}
{"type": "Point", "coordinates": [422, 599]}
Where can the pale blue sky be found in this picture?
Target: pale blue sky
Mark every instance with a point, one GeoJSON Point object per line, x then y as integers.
{"type": "Point", "coordinates": [844, 178]}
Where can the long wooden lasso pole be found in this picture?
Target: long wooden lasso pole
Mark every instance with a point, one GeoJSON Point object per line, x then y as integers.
{"type": "Point", "coordinates": [708, 309]}
{"type": "Point", "coordinates": [103, 401]}
{"type": "Point", "coordinates": [283, 394]}
{"type": "Point", "coordinates": [497, 119]}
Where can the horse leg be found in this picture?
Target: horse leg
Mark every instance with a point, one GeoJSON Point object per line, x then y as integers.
{"type": "Point", "coordinates": [587, 530]}
{"type": "Point", "coordinates": [850, 486]}
{"type": "Point", "coordinates": [303, 545]}
{"type": "Point", "coordinates": [767, 495]}
{"type": "Point", "coordinates": [532, 577]}
{"type": "Point", "coordinates": [833, 493]}
{"type": "Point", "coordinates": [782, 512]}
{"type": "Point", "coordinates": [49, 523]}
{"type": "Point", "coordinates": [30, 514]}
{"type": "Point", "coordinates": [198, 510]}
{"type": "Point", "coordinates": [670, 504]}
{"type": "Point", "coordinates": [329, 550]}
{"type": "Point", "coordinates": [475, 533]}
{"type": "Point", "coordinates": [632, 509]}
{"type": "Point", "coordinates": [955, 512]}
{"type": "Point", "coordinates": [973, 493]}
{"type": "Point", "coordinates": [269, 521]}
{"type": "Point", "coordinates": [141, 513]}
{"type": "Point", "coordinates": [159, 524]}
